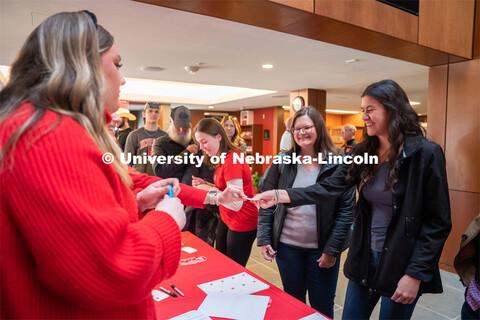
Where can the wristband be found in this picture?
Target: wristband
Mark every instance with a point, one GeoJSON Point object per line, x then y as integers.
{"type": "Point", "coordinates": [211, 197]}
{"type": "Point", "coordinates": [277, 196]}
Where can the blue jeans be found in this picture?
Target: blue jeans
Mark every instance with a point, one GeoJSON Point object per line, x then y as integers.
{"type": "Point", "coordinates": [359, 303]}
{"type": "Point", "coordinates": [300, 272]}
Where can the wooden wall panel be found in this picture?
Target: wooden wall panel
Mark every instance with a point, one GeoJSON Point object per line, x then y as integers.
{"type": "Point", "coordinates": [372, 15]}
{"type": "Point", "coordinates": [476, 31]}
{"type": "Point", "coordinates": [465, 206]}
{"type": "Point", "coordinates": [447, 25]}
{"type": "Point", "coordinates": [333, 120]}
{"type": "Point", "coordinates": [463, 122]}
{"type": "Point", "coordinates": [312, 97]}
{"type": "Point", "coordinates": [313, 26]}
{"type": "Point", "coordinates": [355, 119]}
{"type": "Point", "coordinates": [305, 5]}
{"type": "Point", "coordinates": [437, 104]}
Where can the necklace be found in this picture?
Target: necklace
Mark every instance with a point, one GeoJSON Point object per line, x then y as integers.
{"type": "Point", "coordinates": [150, 135]}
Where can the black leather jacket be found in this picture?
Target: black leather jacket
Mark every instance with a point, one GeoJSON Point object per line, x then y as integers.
{"type": "Point", "coordinates": [419, 227]}
{"type": "Point", "coordinates": [334, 217]}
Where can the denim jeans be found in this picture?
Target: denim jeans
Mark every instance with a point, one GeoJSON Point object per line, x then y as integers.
{"type": "Point", "coordinates": [300, 272]}
{"type": "Point", "coordinates": [359, 303]}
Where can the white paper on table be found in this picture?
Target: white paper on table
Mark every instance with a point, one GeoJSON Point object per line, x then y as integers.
{"type": "Point", "coordinates": [159, 295]}
{"type": "Point", "coordinates": [238, 283]}
{"type": "Point", "coordinates": [192, 315]}
{"type": "Point", "coordinates": [315, 316]}
{"type": "Point", "coordinates": [189, 249]}
{"type": "Point", "coordinates": [235, 306]}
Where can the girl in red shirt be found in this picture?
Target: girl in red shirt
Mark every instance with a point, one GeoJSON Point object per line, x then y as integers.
{"type": "Point", "coordinates": [237, 227]}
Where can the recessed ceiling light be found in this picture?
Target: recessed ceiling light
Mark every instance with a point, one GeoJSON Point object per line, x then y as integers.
{"type": "Point", "coordinates": [351, 61]}
{"type": "Point", "coordinates": [211, 107]}
{"type": "Point", "coordinates": [267, 66]}
{"type": "Point", "coordinates": [414, 103]}
{"type": "Point", "coordinates": [151, 68]}
{"type": "Point", "coordinates": [192, 69]}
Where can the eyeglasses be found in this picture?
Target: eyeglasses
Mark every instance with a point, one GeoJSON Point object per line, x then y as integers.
{"type": "Point", "coordinates": [343, 130]}
{"type": "Point", "coordinates": [306, 129]}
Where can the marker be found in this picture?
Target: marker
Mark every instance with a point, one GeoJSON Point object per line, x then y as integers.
{"type": "Point", "coordinates": [169, 292]}
{"type": "Point", "coordinates": [176, 289]}
{"type": "Point", "coordinates": [170, 191]}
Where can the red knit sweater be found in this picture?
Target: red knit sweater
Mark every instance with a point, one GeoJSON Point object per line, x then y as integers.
{"type": "Point", "coordinates": [71, 242]}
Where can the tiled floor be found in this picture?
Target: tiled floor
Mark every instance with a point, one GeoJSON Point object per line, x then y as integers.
{"type": "Point", "coordinates": [430, 306]}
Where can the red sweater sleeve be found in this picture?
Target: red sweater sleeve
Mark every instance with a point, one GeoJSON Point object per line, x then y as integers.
{"type": "Point", "coordinates": [80, 222]}
{"type": "Point", "coordinates": [190, 196]}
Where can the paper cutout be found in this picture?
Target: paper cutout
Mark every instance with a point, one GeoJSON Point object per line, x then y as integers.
{"type": "Point", "coordinates": [159, 295]}
{"type": "Point", "coordinates": [234, 306]}
{"type": "Point", "coordinates": [239, 283]}
{"type": "Point", "coordinates": [193, 260]}
{"type": "Point", "coordinates": [192, 315]}
{"type": "Point", "coordinates": [189, 249]}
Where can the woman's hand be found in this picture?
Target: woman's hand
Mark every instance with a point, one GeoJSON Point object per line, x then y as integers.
{"type": "Point", "coordinates": [265, 199]}
{"type": "Point", "coordinates": [149, 197]}
{"type": "Point", "coordinates": [407, 290]}
{"type": "Point", "coordinates": [326, 261]}
{"type": "Point", "coordinates": [197, 181]}
{"type": "Point", "coordinates": [268, 253]}
{"type": "Point", "coordinates": [174, 208]}
{"type": "Point", "coordinates": [231, 194]}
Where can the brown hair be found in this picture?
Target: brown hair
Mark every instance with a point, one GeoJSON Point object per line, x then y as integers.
{"type": "Point", "coordinates": [238, 129]}
{"type": "Point", "coordinates": [212, 127]}
{"type": "Point", "coordinates": [323, 143]}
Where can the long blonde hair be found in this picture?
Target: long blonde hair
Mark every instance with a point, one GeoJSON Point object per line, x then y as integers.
{"type": "Point", "coordinates": [58, 69]}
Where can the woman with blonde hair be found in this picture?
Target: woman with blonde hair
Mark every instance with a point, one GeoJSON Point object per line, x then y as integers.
{"type": "Point", "coordinates": [72, 241]}
{"type": "Point", "coordinates": [233, 131]}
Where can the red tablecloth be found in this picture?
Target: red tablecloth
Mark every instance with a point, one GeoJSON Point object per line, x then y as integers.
{"type": "Point", "coordinates": [217, 266]}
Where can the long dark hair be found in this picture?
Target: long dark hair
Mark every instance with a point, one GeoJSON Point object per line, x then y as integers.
{"type": "Point", "coordinates": [323, 143]}
{"type": "Point", "coordinates": [403, 123]}
{"type": "Point", "coordinates": [212, 127]}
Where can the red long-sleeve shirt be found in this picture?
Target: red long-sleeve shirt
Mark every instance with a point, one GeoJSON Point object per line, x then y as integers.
{"type": "Point", "coordinates": [71, 241]}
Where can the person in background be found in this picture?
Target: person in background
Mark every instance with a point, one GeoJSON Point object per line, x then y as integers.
{"type": "Point", "coordinates": [124, 128]}
{"type": "Point", "coordinates": [286, 140]}
{"type": "Point", "coordinates": [237, 227]}
{"type": "Point", "coordinates": [403, 210]}
{"type": "Point", "coordinates": [113, 125]}
{"type": "Point", "coordinates": [348, 135]}
{"type": "Point", "coordinates": [140, 141]}
{"type": "Point", "coordinates": [96, 257]}
{"type": "Point", "coordinates": [307, 240]}
{"type": "Point", "coordinates": [179, 142]}
{"type": "Point", "coordinates": [233, 130]}
{"type": "Point", "coordinates": [466, 263]}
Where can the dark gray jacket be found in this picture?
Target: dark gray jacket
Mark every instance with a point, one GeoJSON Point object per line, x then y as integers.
{"type": "Point", "coordinates": [334, 217]}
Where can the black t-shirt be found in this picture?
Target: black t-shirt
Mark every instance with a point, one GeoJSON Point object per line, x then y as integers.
{"type": "Point", "coordinates": [121, 136]}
